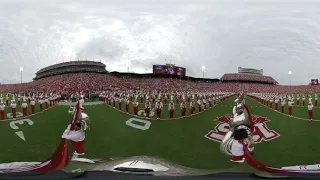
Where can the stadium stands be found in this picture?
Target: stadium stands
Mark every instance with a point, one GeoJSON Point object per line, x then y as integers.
{"type": "Point", "coordinates": [248, 78]}
{"type": "Point", "coordinates": [76, 76]}
{"type": "Point", "coordinates": [71, 67]}
{"type": "Point", "coordinates": [70, 83]}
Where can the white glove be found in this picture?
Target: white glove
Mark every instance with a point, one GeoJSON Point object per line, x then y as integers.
{"type": "Point", "coordinates": [67, 130]}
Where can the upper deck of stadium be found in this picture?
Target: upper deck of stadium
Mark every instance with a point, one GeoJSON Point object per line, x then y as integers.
{"type": "Point", "coordinates": [79, 66]}
{"type": "Point", "coordinates": [71, 63]}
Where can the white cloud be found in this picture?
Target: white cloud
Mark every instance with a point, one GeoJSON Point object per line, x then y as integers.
{"type": "Point", "coordinates": [276, 36]}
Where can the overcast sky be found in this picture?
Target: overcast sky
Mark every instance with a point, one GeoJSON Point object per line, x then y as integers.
{"type": "Point", "coordinates": [276, 36]}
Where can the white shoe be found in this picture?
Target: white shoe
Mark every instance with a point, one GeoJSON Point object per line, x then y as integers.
{"type": "Point", "coordinates": [79, 154]}
{"type": "Point", "coordinates": [241, 161]}
{"type": "Point", "coordinates": [74, 156]}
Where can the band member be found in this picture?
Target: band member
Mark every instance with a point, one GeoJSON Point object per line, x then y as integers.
{"type": "Point", "coordinates": [51, 101]}
{"type": "Point", "coordinates": [303, 99]}
{"type": "Point", "coordinates": [276, 104]}
{"type": "Point", "coordinates": [171, 109]}
{"type": "Point", "coordinates": [46, 102]}
{"type": "Point", "coordinates": [316, 100]}
{"type": "Point", "coordinates": [192, 106]}
{"type": "Point", "coordinates": [32, 102]}
{"type": "Point", "coordinates": [310, 99]}
{"type": "Point", "coordinates": [310, 106]}
{"type": "Point", "coordinates": [271, 102]}
{"type": "Point", "coordinates": [127, 105]}
{"type": "Point", "coordinates": [283, 102]}
{"type": "Point", "coordinates": [135, 107]}
{"type": "Point", "coordinates": [171, 97]}
{"type": "Point", "coordinates": [19, 100]}
{"type": "Point", "coordinates": [120, 103]}
{"type": "Point", "coordinates": [210, 102]}
{"type": "Point", "coordinates": [183, 107]}
{"type": "Point", "coordinates": [290, 103]}
{"type": "Point", "coordinates": [2, 107]}
{"type": "Point", "coordinates": [240, 142]}
{"type": "Point", "coordinates": [204, 103]}
{"type": "Point", "coordinates": [199, 104]}
{"type": "Point", "coordinates": [147, 108]}
{"type": "Point", "coordinates": [14, 109]}
{"type": "Point", "coordinates": [24, 108]}
{"type": "Point", "coordinates": [40, 104]}
{"type": "Point", "coordinates": [77, 138]}
{"type": "Point", "coordinates": [159, 108]}
{"type": "Point", "coordinates": [298, 100]}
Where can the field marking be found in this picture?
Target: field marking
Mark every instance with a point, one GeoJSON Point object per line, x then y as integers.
{"type": "Point", "coordinates": [166, 119]}
{"type": "Point", "coordinates": [294, 117]}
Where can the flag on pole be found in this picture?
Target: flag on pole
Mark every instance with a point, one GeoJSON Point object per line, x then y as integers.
{"type": "Point", "coordinates": [75, 115]}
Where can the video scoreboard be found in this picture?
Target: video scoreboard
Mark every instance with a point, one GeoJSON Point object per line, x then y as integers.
{"type": "Point", "coordinates": [169, 69]}
{"type": "Point", "coordinates": [314, 82]}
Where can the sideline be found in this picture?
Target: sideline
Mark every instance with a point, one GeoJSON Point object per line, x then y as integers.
{"type": "Point", "coordinates": [167, 119]}
{"type": "Point", "coordinates": [6, 120]}
{"type": "Point", "coordinates": [293, 117]}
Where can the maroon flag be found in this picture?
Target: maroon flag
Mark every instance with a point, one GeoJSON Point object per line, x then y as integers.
{"type": "Point", "coordinates": [58, 160]}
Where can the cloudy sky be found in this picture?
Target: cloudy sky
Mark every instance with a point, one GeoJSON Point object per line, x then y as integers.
{"type": "Point", "coordinates": [276, 36]}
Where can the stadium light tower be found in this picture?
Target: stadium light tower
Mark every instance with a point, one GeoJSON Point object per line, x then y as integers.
{"type": "Point", "coordinates": [290, 76]}
{"type": "Point", "coordinates": [21, 69]}
{"type": "Point", "coordinates": [203, 68]}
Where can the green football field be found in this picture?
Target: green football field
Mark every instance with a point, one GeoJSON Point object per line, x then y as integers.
{"type": "Point", "coordinates": [188, 141]}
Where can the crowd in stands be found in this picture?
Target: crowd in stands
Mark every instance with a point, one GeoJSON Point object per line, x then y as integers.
{"type": "Point", "coordinates": [248, 78]}
{"type": "Point", "coordinates": [70, 83]}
